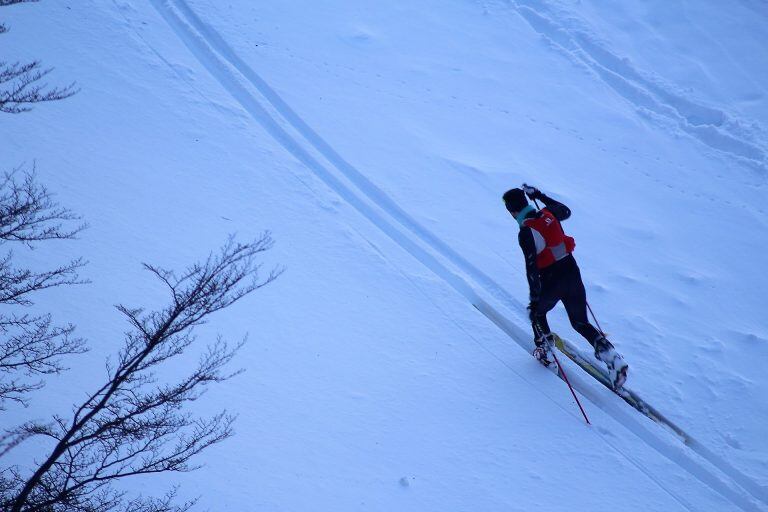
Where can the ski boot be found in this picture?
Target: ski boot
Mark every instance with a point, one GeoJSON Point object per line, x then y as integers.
{"type": "Point", "coordinates": [617, 367]}
{"type": "Point", "coordinates": [545, 345]}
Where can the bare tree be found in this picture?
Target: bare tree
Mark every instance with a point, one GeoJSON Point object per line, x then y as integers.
{"type": "Point", "coordinates": [21, 83]}
{"type": "Point", "coordinates": [132, 425]}
{"type": "Point", "coordinates": [30, 345]}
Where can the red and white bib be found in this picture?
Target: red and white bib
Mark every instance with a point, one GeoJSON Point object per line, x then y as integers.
{"type": "Point", "coordinates": [552, 244]}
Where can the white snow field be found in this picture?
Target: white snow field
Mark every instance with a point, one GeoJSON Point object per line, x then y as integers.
{"type": "Point", "coordinates": [375, 139]}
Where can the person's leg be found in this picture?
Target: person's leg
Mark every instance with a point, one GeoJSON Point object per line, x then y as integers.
{"type": "Point", "coordinates": [539, 316]}
{"type": "Point", "coordinates": [541, 333]}
{"type": "Point", "coordinates": [575, 302]}
{"type": "Point", "coordinates": [549, 297]}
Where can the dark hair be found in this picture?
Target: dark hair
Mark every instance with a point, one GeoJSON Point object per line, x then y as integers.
{"type": "Point", "coordinates": [515, 200]}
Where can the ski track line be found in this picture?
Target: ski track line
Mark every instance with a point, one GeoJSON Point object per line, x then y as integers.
{"type": "Point", "coordinates": [374, 193]}
{"type": "Point", "coordinates": [224, 65]}
{"type": "Point", "coordinates": [709, 126]}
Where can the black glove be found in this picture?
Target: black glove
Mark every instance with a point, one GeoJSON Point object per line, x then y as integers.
{"type": "Point", "coordinates": [532, 192]}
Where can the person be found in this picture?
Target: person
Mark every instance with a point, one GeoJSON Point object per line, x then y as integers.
{"type": "Point", "coordinates": [554, 276]}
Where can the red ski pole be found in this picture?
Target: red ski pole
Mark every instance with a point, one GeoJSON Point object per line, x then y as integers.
{"type": "Point", "coordinates": [565, 378]}
{"type": "Point", "coordinates": [560, 369]}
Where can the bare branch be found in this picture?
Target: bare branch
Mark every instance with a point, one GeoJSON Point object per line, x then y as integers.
{"type": "Point", "coordinates": [16, 285]}
{"type": "Point", "coordinates": [132, 425]}
{"type": "Point", "coordinates": [9, 440]}
{"type": "Point", "coordinates": [32, 347]}
{"type": "Point", "coordinates": [21, 86]}
{"type": "Point", "coordinates": [28, 212]}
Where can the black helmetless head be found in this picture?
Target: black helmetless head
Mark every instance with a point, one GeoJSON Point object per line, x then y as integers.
{"type": "Point", "coordinates": [515, 200]}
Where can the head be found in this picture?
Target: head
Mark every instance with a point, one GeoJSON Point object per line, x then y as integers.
{"type": "Point", "coordinates": [517, 204]}
{"type": "Point", "coordinates": [515, 201]}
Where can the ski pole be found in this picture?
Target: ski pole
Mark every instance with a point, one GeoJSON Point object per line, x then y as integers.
{"type": "Point", "coordinates": [595, 319]}
{"type": "Point", "coordinates": [561, 370]}
{"type": "Point", "coordinates": [565, 378]}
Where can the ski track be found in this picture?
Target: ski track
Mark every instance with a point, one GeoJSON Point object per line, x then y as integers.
{"type": "Point", "coordinates": [710, 126]}
{"type": "Point", "coordinates": [279, 120]}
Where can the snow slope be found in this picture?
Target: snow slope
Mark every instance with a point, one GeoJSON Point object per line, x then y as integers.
{"type": "Point", "coordinates": [374, 140]}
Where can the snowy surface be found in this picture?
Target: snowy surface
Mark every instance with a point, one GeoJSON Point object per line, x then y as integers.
{"type": "Point", "coordinates": [374, 139]}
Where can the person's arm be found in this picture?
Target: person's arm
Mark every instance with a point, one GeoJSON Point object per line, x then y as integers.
{"type": "Point", "coordinates": [558, 209]}
{"type": "Point", "coordinates": [527, 244]}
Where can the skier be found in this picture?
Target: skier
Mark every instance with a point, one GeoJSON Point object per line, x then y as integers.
{"type": "Point", "coordinates": [554, 276]}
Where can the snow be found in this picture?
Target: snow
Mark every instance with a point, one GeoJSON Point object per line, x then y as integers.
{"type": "Point", "coordinates": [374, 139]}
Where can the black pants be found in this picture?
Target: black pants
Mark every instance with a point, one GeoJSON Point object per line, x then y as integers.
{"type": "Point", "coordinates": [562, 282]}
